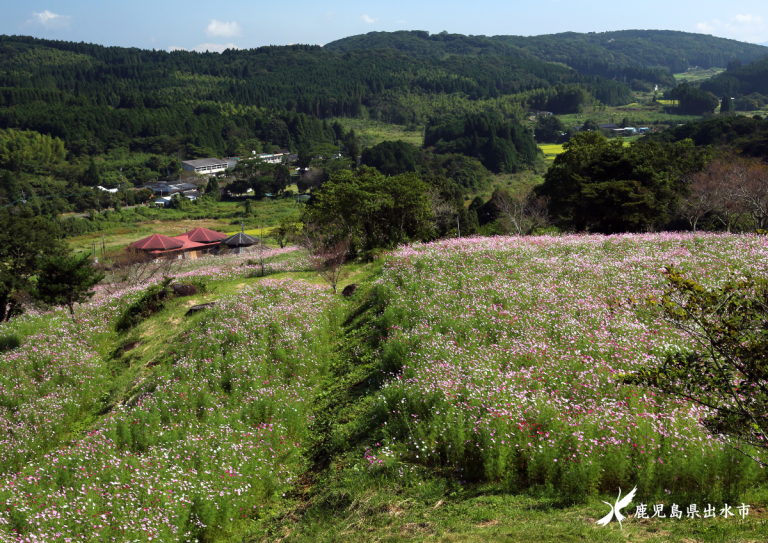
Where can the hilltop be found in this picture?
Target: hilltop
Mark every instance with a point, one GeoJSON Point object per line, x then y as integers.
{"type": "Point", "coordinates": [606, 53]}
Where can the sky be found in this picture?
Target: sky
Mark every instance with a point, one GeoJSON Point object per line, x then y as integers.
{"type": "Point", "coordinates": [215, 26]}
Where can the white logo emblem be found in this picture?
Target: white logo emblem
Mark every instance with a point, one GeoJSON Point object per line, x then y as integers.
{"type": "Point", "coordinates": [616, 509]}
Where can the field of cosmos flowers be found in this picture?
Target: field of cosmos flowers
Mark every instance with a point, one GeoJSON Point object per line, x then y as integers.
{"type": "Point", "coordinates": [501, 362]}
{"type": "Point", "coordinates": [504, 357]}
{"type": "Point", "coordinates": [202, 440]}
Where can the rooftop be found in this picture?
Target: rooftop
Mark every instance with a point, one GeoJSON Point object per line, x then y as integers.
{"type": "Point", "coordinates": [187, 243]}
{"type": "Point", "coordinates": [203, 235]}
{"type": "Point", "coordinates": [241, 240]}
{"type": "Point", "coordinates": [156, 241]}
{"type": "Point", "coordinates": [201, 162]}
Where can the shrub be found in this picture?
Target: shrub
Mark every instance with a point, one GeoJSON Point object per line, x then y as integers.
{"type": "Point", "coordinates": [152, 301]}
{"type": "Point", "coordinates": [9, 342]}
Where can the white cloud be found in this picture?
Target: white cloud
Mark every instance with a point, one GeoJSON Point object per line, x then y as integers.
{"type": "Point", "coordinates": [401, 22]}
{"type": "Point", "coordinates": [220, 28]}
{"type": "Point", "coordinates": [745, 19]}
{"type": "Point", "coordinates": [367, 19]}
{"type": "Point", "coordinates": [49, 20]}
{"type": "Point", "coordinates": [750, 28]}
{"type": "Point", "coordinates": [214, 47]}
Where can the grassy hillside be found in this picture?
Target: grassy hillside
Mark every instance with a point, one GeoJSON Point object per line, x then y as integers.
{"type": "Point", "coordinates": [467, 391]}
{"type": "Point", "coordinates": [108, 429]}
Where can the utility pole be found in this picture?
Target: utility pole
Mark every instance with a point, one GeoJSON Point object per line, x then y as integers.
{"type": "Point", "coordinates": [458, 226]}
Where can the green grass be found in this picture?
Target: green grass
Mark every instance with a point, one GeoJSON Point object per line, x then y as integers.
{"type": "Point", "coordinates": [551, 150]}
{"type": "Point", "coordinates": [374, 132]}
{"type": "Point", "coordinates": [693, 76]}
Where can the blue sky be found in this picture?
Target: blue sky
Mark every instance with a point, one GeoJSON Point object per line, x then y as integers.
{"type": "Point", "coordinates": [195, 24]}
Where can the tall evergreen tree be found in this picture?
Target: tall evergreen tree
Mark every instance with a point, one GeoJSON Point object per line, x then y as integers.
{"type": "Point", "coordinates": [92, 175]}
{"type": "Point", "coordinates": [212, 189]}
{"type": "Point", "coordinates": [726, 105]}
{"type": "Point", "coordinates": [66, 280]}
{"type": "Point", "coordinates": [24, 241]}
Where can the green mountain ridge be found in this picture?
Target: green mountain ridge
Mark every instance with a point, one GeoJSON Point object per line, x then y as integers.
{"type": "Point", "coordinates": [608, 54]}
{"type": "Point", "coordinates": [110, 95]}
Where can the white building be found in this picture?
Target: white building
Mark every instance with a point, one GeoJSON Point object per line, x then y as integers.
{"type": "Point", "coordinates": [276, 158]}
{"type": "Point", "coordinates": [204, 165]}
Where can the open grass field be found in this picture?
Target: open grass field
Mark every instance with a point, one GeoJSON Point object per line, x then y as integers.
{"type": "Point", "coordinates": [469, 391]}
{"type": "Point", "coordinates": [374, 132]}
{"type": "Point", "coordinates": [551, 150]}
{"type": "Point", "coordinates": [693, 76]}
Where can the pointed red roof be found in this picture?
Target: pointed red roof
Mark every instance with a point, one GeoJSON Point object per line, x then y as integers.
{"type": "Point", "coordinates": [156, 241]}
{"type": "Point", "coordinates": [188, 243]}
{"type": "Point", "coordinates": [204, 235]}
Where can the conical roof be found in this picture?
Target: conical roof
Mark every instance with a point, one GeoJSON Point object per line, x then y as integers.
{"type": "Point", "coordinates": [241, 240]}
{"type": "Point", "coordinates": [204, 235]}
{"type": "Point", "coordinates": [155, 242]}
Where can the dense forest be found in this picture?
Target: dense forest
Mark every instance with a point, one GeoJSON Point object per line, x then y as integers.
{"type": "Point", "coordinates": [650, 55]}
{"type": "Point", "coordinates": [191, 104]}
{"type": "Point", "coordinates": [500, 146]}
{"type": "Point", "coordinates": [746, 134]}
{"type": "Point", "coordinates": [740, 79]}
{"type": "Point", "coordinates": [300, 79]}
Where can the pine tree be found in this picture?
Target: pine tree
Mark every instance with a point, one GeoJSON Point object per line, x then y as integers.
{"type": "Point", "coordinates": [212, 189]}
{"type": "Point", "coordinates": [66, 280]}
{"type": "Point", "coordinates": [726, 105]}
{"type": "Point", "coordinates": [92, 175]}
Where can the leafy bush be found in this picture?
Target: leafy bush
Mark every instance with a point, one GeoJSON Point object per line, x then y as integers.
{"type": "Point", "coordinates": [152, 301]}
{"type": "Point", "coordinates": [9, 342]}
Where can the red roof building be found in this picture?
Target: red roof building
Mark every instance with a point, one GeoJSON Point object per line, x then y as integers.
{"type": "Point", "coordinates": [204, 235]}
{"type": "Point", "coordinates": [157, 242]}
{"type": "Point", "coordinates": [189, 245]}
{"type": "Point", "coordinates": [192, 244]}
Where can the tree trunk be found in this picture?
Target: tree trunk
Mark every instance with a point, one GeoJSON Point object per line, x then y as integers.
{"type": "Point", "coordinates": [3, 305]}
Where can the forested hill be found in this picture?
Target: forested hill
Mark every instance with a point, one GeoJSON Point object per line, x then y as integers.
{"type": "Point", "coordinates": [419, 43]}
{"type": "Point", "coordinates": [303, 78]}
{"type": "Point", "coordinates": [89, 95]}
{"type": "Point", "coordinates": [605, 53]}
{"type": "Point", "coordinates": [740, 79]}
